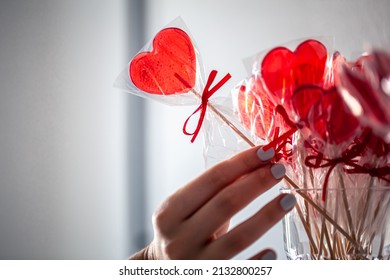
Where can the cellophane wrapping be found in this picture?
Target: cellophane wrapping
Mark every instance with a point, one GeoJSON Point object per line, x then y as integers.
{"type": "Point", "coordinates": [325, 117]}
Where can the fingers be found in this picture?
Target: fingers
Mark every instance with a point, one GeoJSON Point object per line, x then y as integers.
{"type": "Point", "coordinates": [267, 254]}
{"type": "Point", "coordinates": [249, 231]}
{"type": "Point", "coordinates": [191, 197]}
{"type": "Point", "coordinates": [232, 199]}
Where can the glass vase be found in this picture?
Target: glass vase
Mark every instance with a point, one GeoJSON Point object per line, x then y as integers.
{"type": "Point", "coordinates": [351, 224]}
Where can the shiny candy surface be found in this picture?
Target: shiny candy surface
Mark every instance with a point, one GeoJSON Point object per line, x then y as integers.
{"type": "Point", "coordinates": [173, 55]}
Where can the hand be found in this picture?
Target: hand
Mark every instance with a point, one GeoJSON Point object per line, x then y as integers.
{"type": "Point", "coordinates": [193, 222]}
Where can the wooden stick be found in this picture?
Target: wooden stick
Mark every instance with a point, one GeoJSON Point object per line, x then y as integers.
{"type": "Point", "coordinates": [328, 240]}
{"type": "Point", "coordinates": [225, 120]}
{"type": "Point", "coordinates": [307, 229]}
{"type": "Point", "coordinates": [231, 125]}
{"type": "Point", "coordinates": [363, 219]}
{"type": "Point", "coordinates": [321, 211]}
{"type": "Point", "coordinates": [346, 206]}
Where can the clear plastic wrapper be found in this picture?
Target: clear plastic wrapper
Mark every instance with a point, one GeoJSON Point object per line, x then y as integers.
{"type": "Point", "coordinates": [294, 102]}
{"type": "Point", "coordinates": [300, 78]}
{"type": "Point", "coordinates": [169, 69]}
{"type": "Point", "coordinates": [365, 85]}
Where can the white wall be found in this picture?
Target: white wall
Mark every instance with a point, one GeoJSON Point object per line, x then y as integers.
{"type": "Point", "coordinates": [63, 143]}
{"type": "Point", "coordinates": [226, 31]}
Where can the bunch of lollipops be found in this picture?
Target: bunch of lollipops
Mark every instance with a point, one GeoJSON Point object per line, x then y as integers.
{"type": "Point", "coordinates": [327, 118]}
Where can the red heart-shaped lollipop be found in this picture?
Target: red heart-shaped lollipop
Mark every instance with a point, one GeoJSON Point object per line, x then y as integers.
{"type": "Point", "coordinates": [283, 70]}
{"type": "Point", "coordinates": [367, 81]}
{"type": "Point", "coordinates": [172, 55]}
{"type": "Point", "coordinates": [255, 109]}
{"type": "Point", "coordinates": [325, 113]}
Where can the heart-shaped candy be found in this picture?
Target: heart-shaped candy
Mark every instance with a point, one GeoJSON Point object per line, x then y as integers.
{"type": "Point", "coordinates": [254, 108]}
{"type": "Point", "coordinates": [257, 111]}
{"type": "Point", "coordinates": [157, 71]}
{"type": "Point", "coordinates": [367, 81]}
{"type": "Point", "coordinates": [325, 113]}
{"type": "Point", "coordinates": [283, 70]}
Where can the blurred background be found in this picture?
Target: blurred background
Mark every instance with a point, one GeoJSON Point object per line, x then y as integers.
{"type": "Point", "coordinates": [82, 164]}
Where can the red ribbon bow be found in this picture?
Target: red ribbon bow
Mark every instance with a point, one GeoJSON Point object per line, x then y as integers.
{"type": "Point", "coordinates": [347, 158]}
{"type": "Point", "coordinates": [279, 142]}
{"type": "Point", "coordinates": [207, 93]}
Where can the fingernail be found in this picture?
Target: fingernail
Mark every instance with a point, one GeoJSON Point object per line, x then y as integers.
{"type": "Point", "coordinates": [265, 155]}
{"type": "Point", "coordinates": [278, 171]}
{"type": "Point", "coordinates": [287, 202]}
{"type": "Point", "coordinates": [270, 255]}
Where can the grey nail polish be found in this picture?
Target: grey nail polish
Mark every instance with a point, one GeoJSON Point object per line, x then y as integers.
{"type": "Point", "coordinates": [278, 171]}
{"type": "Point", "coordinates": [270, 255]}
{"type": "Point", "coordinates": [287, 202]}
{"type": "Point", "coordinates": [265, 155]}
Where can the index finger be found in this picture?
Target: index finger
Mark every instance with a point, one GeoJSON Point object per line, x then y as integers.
{"type": "Point", "coordinates": [191, 197]}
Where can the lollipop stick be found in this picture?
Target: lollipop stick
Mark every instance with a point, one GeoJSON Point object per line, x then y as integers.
{"type": "Point", "coordinates": [225, 120]}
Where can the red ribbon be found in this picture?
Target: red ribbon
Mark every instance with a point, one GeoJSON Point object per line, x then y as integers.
{"type": "Point", "coordinates": [318, 160]}
{"type": "Point", "coordinates": [379, 172]}
{"type": "Point", "coordinates": [280, 142]}
{"type": "Point", "coordinates": [207, 93]}
{"type": "Point", "coordinates": [347, 157]}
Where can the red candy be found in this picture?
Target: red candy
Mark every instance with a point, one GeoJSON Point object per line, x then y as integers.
{"type": "Point", "coordinates": [156, 72]}
{"type": "Point", "coordinates": [325, 113]}
{"type": "Point", "coordinates": [283, 70]}
{"type": "Point", "coordinates": [297, 80]}
{"type": "Point", "coordinates": [255, 109]}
